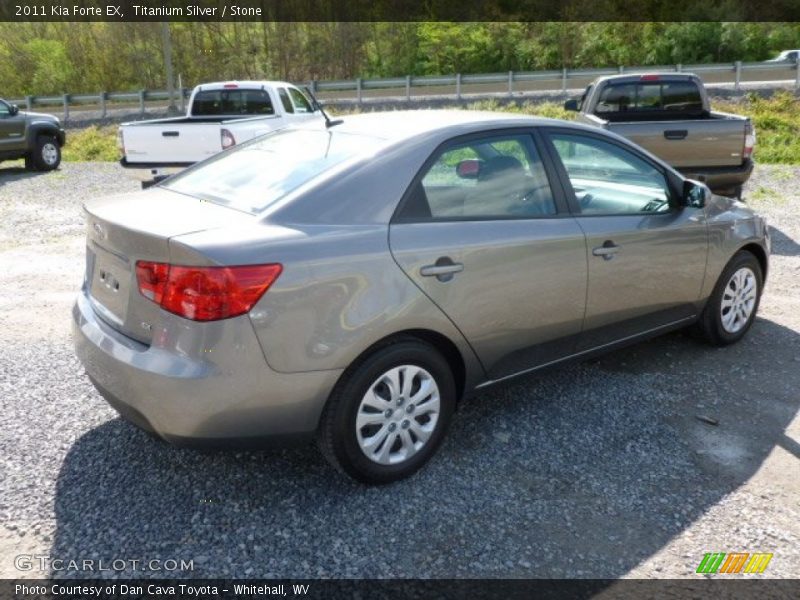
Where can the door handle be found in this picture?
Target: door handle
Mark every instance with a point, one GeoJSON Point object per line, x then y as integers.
{"type": "Point", "coordinates": [607, 250]}
{"type": "Point", "coordinates": [170, 133]}
{"type": "Point", "coordinates": [444, 269]}
{"type": "Point", "coordinates": [676, 134]}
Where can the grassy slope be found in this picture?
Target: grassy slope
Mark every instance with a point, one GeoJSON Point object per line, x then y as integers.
{"type": "Point", "coordinates": [777, 123]}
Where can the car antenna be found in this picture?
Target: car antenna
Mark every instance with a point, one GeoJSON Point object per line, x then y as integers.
{"type": "Point", "coordinates": [328, 121]}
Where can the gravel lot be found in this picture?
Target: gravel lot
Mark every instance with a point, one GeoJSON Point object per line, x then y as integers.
{"type": "Point", "coordinates": [601, 469]}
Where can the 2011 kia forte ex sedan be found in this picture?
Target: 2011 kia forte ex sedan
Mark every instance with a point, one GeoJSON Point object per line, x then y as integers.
{"type": "Point", "coordinates": [352, 283]}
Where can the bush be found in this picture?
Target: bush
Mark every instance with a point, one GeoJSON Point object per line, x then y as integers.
{"type": "Point", "coordinates": [92, 144]}
{"type": "Point", "coordinates": [777, 124]}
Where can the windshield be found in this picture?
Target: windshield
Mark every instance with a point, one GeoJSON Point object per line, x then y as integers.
{"type": "Point", "coordinates": [257, 174]}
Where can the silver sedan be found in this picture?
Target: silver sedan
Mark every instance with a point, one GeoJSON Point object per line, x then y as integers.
{"type": "Point", "coordinates": [352, 283]}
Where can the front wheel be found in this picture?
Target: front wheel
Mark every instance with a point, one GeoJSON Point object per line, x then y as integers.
{"type": "Point", "coordinates": [46, 155]}
{"type": "Point", "coordinates": [387, 416]}
{"type": "Point", "coordinates": [733, 304]}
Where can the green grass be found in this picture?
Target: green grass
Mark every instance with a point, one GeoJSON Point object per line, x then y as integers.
{"type": "Point", "coordinates": [776, 120]}
{"type": "Point", "coordinates": [777, 124]}
{"type": "Point", "coordinates": [91, 144]}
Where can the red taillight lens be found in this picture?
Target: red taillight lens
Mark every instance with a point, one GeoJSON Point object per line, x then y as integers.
{"type": "Point", "coordinates": [152, 278]}
{"type": "Point", "coordinates": [227, 139]}
{"type": "Point", "coordinates": [205, 293]}
{"type": "Point", "coordinates": [749, 140]}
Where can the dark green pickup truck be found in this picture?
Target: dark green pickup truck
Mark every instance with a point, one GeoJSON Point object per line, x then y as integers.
{"type": "Point", "coordinates": [35, 137]}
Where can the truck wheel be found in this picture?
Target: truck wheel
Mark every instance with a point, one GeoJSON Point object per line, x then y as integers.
{"type": "Point", "coordinates": [46, 154]}
{"type": "Point", "coordinates": [731, 309]}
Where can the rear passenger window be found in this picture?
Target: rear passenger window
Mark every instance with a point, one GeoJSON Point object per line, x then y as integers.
{"type": "Point", "coordinates": [498, 177]}
{"type": "Point", "coordinates": [649, 96]}
{"type": "Point", "coordinates": [285, 101]}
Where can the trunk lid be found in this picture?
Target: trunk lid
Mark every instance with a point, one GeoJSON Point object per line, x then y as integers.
{"type": "Point", "coordinates": [124, 229]}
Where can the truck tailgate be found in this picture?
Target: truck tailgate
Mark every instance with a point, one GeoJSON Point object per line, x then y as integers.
{"type": "Point", "coordinates": [166, 143]}
{"type": "Point", "coordinates": [714, 142]}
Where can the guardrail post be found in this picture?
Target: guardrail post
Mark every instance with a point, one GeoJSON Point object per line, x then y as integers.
{"type": "Point", "coordinates": [358, 90]}
{"type": "Point", "coordinates": [103, 98]}
{"type": "Point", "coordinates": [65, 98]}
{"type": "Point", "coordinates": [621, 69]}
{"type": "Point", "coordinates": [737, 66]}
{"type": "Point", "coordinates": [678, 68]}
{"type": "Point", "coordinates": [183, 99]}
{"type": "Point", "coordinates": [141, 102]}
{"type": "Point", "coordinates": [458, 86]}
{"type": "Point", "coordinates": [313, 86]}
{"type": "Point", "coordinates": [511, 83]}
{"type": "Point", "coordinates": [797, 73]}
{"type": "Point", "coordinates": [564, 80]}
{"type": "Point", "coordinates": [29, 102]}
{"type": "Point", "coordinates": [408, 88]}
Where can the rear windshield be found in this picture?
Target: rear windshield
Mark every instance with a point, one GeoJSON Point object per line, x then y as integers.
{"type": "Point", "coordinates": [259, 173]}
{"type": "Point", "coordinates": [671, 96]}
{"type": "Point", "coordinates": [211, 103]}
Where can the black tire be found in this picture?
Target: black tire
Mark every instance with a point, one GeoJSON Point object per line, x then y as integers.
{"type": "Point", "coordinates": [710, 324]}
{"type": "Point", "coordinates": [46, 154]}
{"type": "Point", "coordinates": [337, 437]}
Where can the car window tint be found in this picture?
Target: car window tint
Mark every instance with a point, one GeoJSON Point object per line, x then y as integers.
{"type": "Point", "coordinates": [496, 177]}
{"type": "Point", "coordinates": [608, 180]}
{"type": "Point", "coordinates": [681, 96]}
{"type": "Point", "coordinates": [285, 101]}
{"type": "Point", "coordinates": [210, 103]}
{"type": "Point", "coordinates": [301, 103]}
{"type": "Point", "coordinates": [4, 109]}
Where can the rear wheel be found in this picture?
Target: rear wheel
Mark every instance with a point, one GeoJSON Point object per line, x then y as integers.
{"type": "Point", "coordinates": [732, 307]}
{"type": "Point", "coordinates": [46, 154]}
{"type": "Point", "coordinates": [387, 416]}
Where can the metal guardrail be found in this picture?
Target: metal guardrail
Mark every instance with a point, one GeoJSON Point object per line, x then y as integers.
{"type": "Point", "coordinates": [456, 85]}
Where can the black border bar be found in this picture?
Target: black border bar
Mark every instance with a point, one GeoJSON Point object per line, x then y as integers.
{"type": "Point", "coordinates": [399, 10]}
{"type": "Point", "coordinates": [377, 589]}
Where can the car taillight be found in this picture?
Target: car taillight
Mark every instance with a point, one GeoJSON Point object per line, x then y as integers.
{"type": "Point", "coordinates": [749, 140]}
{"type": "Point", "coordinates": [205, 293]}
{"type": "Point", "coordinates": [227, 139]}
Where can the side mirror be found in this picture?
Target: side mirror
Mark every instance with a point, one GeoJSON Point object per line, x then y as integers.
{"type": "Point", "coordinates": [13, 109]}
{"type": "Point", "coordinates": [695, 194]}
{"type": "Point", "coordinates": [469, 168]}
{"type": "Point", "coordinates": [571, 105]}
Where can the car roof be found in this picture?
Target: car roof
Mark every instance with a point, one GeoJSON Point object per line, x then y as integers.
{"type": "Point", "coordinates": [245, 84]}
{"type": "Point", "coordinates": [398, 125]}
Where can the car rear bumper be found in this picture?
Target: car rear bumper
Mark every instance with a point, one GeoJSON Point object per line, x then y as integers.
{"type": "Point", "coordinates": [225, 394]}
{"type": "Point", "coordinates": [722, 180]}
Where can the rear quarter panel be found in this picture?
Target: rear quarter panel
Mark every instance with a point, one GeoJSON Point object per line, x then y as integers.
{"type": "Point", "coordinates": [339, 293]}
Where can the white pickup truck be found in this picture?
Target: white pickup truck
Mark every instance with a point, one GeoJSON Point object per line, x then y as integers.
{"type": "Point", "coordinates": [220, 115]}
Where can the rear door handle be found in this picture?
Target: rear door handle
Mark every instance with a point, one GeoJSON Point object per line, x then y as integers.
{"type": "Point", "coordinates": [443, 270]}
{"type": "Point", "coordinates": [170, 133]}
{"type": "Point", "coordinates": [607, 250]}
{"type": "Point", "coordinates": [676, 134]}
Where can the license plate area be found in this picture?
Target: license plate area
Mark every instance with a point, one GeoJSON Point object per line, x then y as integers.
{"type": "Point", "coordinates": [109, 278]}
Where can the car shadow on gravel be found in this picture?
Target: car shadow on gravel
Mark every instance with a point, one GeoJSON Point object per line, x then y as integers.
{"type": "Point", "coordinates": [782, 244]}
{"type": "Point", "coordinates": [17, 173]}
{"type": "Point", "coordinates": [584, 471]}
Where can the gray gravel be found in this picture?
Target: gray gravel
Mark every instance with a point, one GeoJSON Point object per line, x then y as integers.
{"type": "Point", "coordinates": [601, 469]}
